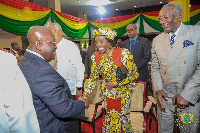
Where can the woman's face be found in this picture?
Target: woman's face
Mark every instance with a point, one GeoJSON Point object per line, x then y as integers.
{"type": "Point", "coordinates": [101, 43]}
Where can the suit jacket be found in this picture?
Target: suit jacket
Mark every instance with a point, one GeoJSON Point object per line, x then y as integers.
{"type": "Point", "coordinates": [12, 51]}
{"type": "Point", "coordinates": [176, 70]}
{"type": "Point", "coordinates": [88, 61]}
{"type": "Point", "coordinates": [83, 55]}
{"type": "Point", "coordinates": [51, 96]}
{"type": "Point", "coordinates": [141, 54]}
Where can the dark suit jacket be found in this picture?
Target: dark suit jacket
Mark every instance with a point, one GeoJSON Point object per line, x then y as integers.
{"type": "Point", "coordinates": [142, 54]}
{"type": "Point", "coordinates": [88, 61]}
{"type": "Point", "coordinates": [51, 96]}
{"type": "Point", "coordinates": [83, 55]}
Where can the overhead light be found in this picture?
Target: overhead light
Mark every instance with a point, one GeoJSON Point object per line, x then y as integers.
{"type": "Point", "coordinates": [79, 1]}
{"type": "Point", "coordinates": [135, 6]}
{"type": "Point", "coordinates": [101, 18]}
{"type": "Point", "coordinates": [99, 2]}
{"type": "Point", "coordinates": [161, 2]}
{"type": "Point", "coordinates": [101, 10]}
{"type": "Point", "coordinates": [116, 9]}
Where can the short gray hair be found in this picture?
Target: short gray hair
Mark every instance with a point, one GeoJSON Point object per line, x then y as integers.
{"type": "Point", "coordinates": [57, 26]}
{"type": "Point", "coordinates": [177, 7]}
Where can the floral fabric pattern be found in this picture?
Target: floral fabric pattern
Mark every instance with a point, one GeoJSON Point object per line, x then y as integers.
{"type": "Point", "coordinates": [115, 121]}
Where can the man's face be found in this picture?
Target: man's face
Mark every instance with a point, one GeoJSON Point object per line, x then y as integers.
{"type": "Point", "coordinates": [169, 20]}
{"type": "Point", "coordinates": [119, 43]}
{"type": "Point", "coordinates": [57, 33]}
{"type": "Point", "coordinates": [131, 31]}
{"type": "Point", "coordinates": [48, 48]}
{"type": "Point", "coordinates": [16, 47]}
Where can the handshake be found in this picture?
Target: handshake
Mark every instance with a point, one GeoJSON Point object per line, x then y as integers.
{"type": "Point", "coordinates": [84, 97]}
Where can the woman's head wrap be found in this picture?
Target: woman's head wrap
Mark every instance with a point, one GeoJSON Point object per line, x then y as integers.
{"type": "Point", "coordinates": [105, 31]}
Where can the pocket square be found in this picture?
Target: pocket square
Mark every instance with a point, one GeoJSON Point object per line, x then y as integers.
{"type": "Point", "coordinates": [187, 43]}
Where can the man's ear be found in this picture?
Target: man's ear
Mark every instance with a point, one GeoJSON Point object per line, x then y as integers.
{"type": "Point", "coordinates": [38, 45]}
{"type": "Point", "coordinates": [180, 16]}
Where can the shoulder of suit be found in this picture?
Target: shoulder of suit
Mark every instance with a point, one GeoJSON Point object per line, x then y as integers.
{"type": "Point", "coordinates": [125, 41]}
{"type": "Point", "coordinates": [142, 38]}
{"type": "Point", "coordinates": [161, 35]}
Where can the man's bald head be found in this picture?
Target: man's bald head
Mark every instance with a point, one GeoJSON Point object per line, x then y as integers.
{"type": "Point", "coordinates": [42, 41]}
{"type": "Point", "coordinates": [36, 33]}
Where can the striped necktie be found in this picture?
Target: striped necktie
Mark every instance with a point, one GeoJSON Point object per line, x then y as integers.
{"type": "Point", "coordinates": [132, 43]}
{"type": "Point", "coordinates": [172, 40]}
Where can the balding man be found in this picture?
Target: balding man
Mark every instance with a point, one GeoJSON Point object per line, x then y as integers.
{"type": "Point", "coordinates": [140, 49]}
{"type": "Point", "coordinates": [56, 111]}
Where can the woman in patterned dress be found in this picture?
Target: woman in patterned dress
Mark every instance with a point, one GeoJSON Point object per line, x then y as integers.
{"type": "Point", "coordinates": [117, 117]}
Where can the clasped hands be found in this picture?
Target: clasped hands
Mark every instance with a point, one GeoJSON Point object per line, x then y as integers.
{"type": "Point", "coordinates": [111, 84]}
{"type": "Point", "coordinates": [181, 102]}
{"type": "Point", "coordinates": [84, 97]}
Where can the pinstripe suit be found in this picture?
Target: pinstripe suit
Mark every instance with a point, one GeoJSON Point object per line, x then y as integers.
{"type": "Point", "coordinates": [51, 96]}
{"type": "Point", "coordinates": [176, 71]}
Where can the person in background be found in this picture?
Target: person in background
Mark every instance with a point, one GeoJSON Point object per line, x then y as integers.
{"type": "Point", "coordinates": [21, 52]}
{"type": "Point", "coordinates": [88, 62]}
{"type": "Point", "coordinates": [141, 51]}
{"type": "Point", "coordinates": [15, 48]}
{"type": "Point", "coordinates": [117, 118]}
{"type": "Point", "coordinates": [83, 53]}
{"type": "Point", "coordinates": [119, 43]}
{"type": "Point", "coordinates": [176, 70]}
{"type": "Point", "coordinates": [55, 108]}
{"type": "Point", "coordinates": [17, 113]}
{"type": "Point", "coordinates": [69, 62]}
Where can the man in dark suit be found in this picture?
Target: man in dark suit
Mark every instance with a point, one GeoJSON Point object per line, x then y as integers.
{"type": "Point", "coordinates": [15, 48]}
{"type": "Point", "coordinates": [56, 111]}
{"type": "Point", "coordinates": [140, 49]}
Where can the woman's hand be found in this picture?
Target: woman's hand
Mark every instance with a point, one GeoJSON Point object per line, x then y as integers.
{"type": "Point", "coordinates": [111, 84]}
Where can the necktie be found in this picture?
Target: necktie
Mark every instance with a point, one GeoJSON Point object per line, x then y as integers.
{"type": "Point", "coordinates": [132, 44]}
{"type": "Point", "coordinates": [172, 40]}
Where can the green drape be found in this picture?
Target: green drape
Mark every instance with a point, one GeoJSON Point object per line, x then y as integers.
{"type": "Point", "coordinates": [20, 27]}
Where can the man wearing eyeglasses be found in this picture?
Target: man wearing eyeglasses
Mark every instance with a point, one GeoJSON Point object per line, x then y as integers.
{"type": "Point", "coordinates": [52, 99]}
{"type": "Point", "coordinates": [141, 50]}
{"type": "Point", "coordinates": [68, 61]}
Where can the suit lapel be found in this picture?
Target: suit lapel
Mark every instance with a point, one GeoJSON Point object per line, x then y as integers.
{"type": "Point", "coordinates": [128, 44]}
{"type": "Point", "coordinates": [178, 46]}
{"type": "Point", "coordinates": [164, 46]}
{"type": "Point", "coordinates": [136, 44]}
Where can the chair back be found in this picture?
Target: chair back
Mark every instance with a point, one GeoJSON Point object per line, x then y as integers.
{"type": "Point", "coordinates": [138, 97]}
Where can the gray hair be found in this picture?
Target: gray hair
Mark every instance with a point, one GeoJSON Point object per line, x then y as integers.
{"type": "Point", "coordinates": [177, 7]}
{"type": "Point", "coordinates": [57, 26]}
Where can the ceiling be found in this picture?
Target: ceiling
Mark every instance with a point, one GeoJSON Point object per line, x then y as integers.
{"type": "Point", "coordinates": [72, 7]}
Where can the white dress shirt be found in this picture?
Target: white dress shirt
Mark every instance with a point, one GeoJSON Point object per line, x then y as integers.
{"type": "Point", "coordinates": [69, 64]}
{"type": "Point", "coordinates": [17, 112]}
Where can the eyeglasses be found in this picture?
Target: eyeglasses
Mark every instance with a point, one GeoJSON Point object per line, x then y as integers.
{"type": "Point", "coordinates": [130, 30]}
{"type": "Point", "coordinates": [54, 43]}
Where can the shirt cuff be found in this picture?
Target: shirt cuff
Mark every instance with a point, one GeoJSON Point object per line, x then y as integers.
{"type": "Point", "coordinates": [79, 84]}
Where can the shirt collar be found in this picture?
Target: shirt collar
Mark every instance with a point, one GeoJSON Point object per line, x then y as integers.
{"type": "Point", "coordinates": [134, 39]}
{"type": "Point", "coordinates": [176, 33]}
{"type": "Point", "coordinates": [30, 51]}
{"type": "Point", "coordinates": [16, 52]}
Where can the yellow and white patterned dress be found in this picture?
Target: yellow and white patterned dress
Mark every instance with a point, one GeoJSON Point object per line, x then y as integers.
{"type": "Point", "coordinates": [115, 120]}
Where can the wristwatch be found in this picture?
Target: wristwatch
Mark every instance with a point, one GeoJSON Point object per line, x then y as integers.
{"type": "Point", "coordinates": [79, 88]}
